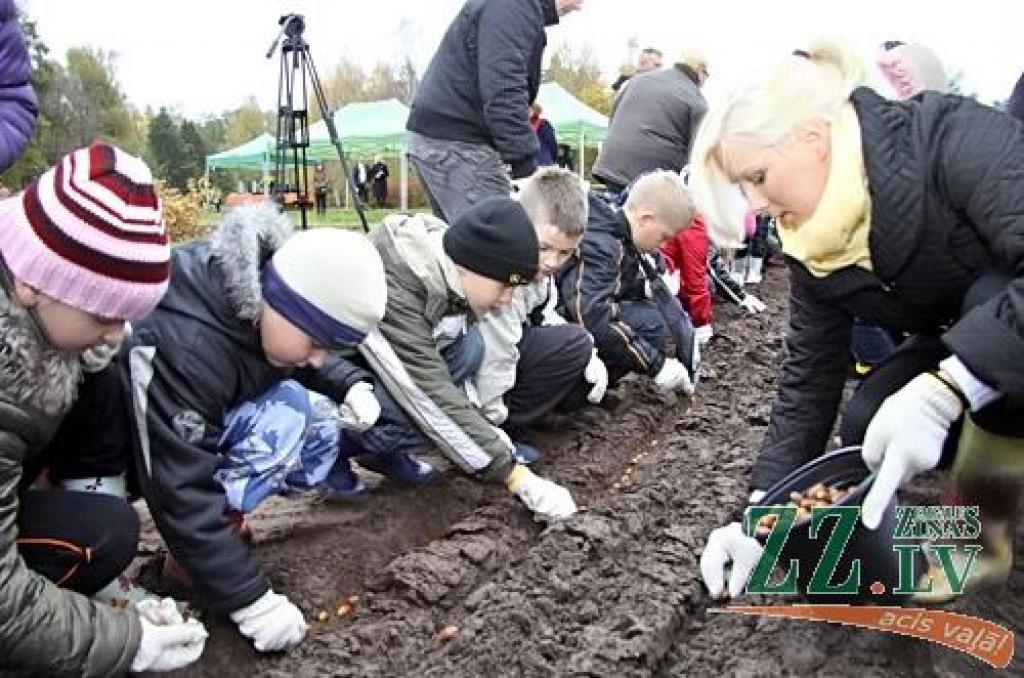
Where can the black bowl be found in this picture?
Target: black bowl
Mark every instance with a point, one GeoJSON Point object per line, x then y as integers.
{"type": "Point", "coordinates": [874, 548]}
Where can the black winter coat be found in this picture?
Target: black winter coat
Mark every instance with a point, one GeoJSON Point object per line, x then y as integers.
{"type": "Point", "coordinates": [605, 271]}
{"type": "Point", "coordinates": [483, 77]}
{"type": "Point", "coordinates": [188, 363]}
{"type": "Point", "coordinates": [946, 179]}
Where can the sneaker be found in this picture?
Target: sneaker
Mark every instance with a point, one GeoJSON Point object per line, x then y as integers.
{"type": "Point", "coordinates": [342, 485]}
{"type": "Point", "coordinates": [400, 468]}
{"type": "Point", "coordinates": [526, 454]}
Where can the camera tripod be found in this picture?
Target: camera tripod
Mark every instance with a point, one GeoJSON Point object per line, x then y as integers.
{"type": "Point", "coordinates": [297, 68]}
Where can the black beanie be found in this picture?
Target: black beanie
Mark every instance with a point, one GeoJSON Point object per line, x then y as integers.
{"type": "Point", "coordinates": [495, 238]}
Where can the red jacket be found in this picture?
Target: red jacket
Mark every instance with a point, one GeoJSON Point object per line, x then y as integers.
{"type": "Point", "coordinates": [688, 252]}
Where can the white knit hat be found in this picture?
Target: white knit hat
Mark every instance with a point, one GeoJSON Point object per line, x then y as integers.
{"type": "Point", "coordinates": [329, 283]}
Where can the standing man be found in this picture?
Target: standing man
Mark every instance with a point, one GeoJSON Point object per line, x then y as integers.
{"type": "Point", "coordinates": [653, 123]}
{"type": "Point", "coordinates": [469, 118]}
{"type": "Point", "coordinates": [650, 60]}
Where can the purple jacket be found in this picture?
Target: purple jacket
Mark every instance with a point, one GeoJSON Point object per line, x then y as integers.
{"type": "Point", "coordinates": [17, 99]}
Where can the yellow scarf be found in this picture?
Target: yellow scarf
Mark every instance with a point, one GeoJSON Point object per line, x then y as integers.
{"type": "Point", "coordinates": [836, 235]}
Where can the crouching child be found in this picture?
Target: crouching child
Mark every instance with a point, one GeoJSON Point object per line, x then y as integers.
{"type": "Point", "coordinates": [604, 288]}
{"type": "Point", "coordinates": [235, 395]}
{"type": "Point", "coordinates": [441, 282]}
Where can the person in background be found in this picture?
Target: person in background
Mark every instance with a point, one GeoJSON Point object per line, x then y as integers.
{"type": "Point", "coordinates": [361, 179]}
{"type": "Point", "coordinates": [911, 68]}
{"type": "Point", "coordinates": [548, 143]}
{"type": "Point", "coordinates": [468, 118]}
{"type": "Point", "coordinates": [653, 123]}
{"type": "Point", "coordinates": [564, 158]}
{"type": "Point", "coordinates": [686, 257]}
{"type": "Point", "coordinates": [379, 174]}
{"type": "Point", "coordinates": [319, 189]}
{"type": "Point", "coordinates": [650, 60]}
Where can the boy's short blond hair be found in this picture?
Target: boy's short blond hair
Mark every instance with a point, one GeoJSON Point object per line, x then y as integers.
{"type": "Point", "coordinates": [556, 196]}
{"type": "Point", "coordinates": [665, 194]}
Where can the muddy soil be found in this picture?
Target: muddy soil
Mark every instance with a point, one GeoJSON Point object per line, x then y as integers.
{"type": "Point", "coordinates": [613, 592]}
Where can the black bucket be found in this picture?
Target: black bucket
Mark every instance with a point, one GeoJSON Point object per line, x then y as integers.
{"type": "Point", "coordinates": [874, 548]}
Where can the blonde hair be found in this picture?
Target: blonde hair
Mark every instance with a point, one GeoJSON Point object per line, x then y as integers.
{"type": "Point", "coordinates": [555, 195]}
{"type": "Point", "coordinates": [693, 58]}
{"type": "Point", "coordinates": [765, 111]}
{"type": "Point", "coordinates": [665, 194]}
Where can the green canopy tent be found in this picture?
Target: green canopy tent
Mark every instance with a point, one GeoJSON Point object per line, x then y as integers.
{"type": "Point", "coordinates": [256, 154]}
{"type": "Point", "coordinates": [575, 123]}
{"type": "Point", "coordinates": [366, 128]}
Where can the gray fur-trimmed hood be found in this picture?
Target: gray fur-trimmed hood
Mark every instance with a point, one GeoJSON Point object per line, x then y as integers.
{"type": "Point", "coordinates": [33, 374]}
{"type": "Point", "coordinates": [243, 241]}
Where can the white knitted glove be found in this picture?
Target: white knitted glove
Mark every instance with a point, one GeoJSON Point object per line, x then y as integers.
{"type": "Point", "coordinates": [674, 377]}
{"type": "Point", "coordinates": [597, 374]}
{"type": "Point", "coordinates": [360, 410]}
{"type": "Point", "coordinates": [729, 545]}
{"type": "Point", "coordinates": [168, 642]}
{"type": "Point", "coordinates": [549, 501]}
{"type": "Point", "coordinates": [272, 622]}
{"type": "Point", "coordinates": [905, 438]}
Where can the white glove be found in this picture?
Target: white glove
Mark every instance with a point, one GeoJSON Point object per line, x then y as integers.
{"type": "Point", "coordinates": [168, 642]}
{"type": "Point", "coordinates": [272, 622]}
{"type": "Point", "coordinates": [752, 304]}
{"type": "Point", "coordinates": [674, 377]}
{"type": "Point", "coordinates": [162, 612]}
{"type": "Point", "coordinates": [360, 410]}
{"type": "Point", "coordinates": [549, 501]}
{"type": "Point", "coordinates": [729, 545]}
{"type": "Point", "coordinates": [671, 281]}
{"type": "Point", "coordinates": [597, 374]}
{"type": "Point", "coordinates": [704, 334]}
{"type": "Point", "coordinates": [904, 438]}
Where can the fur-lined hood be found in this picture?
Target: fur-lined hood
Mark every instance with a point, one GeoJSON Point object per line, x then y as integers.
{"type": "Point", "coordinates": [33, 374]}
{"type": "Point", "coordinates": [244, 240]}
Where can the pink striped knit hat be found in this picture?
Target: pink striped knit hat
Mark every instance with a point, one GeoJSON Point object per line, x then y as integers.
{"type": "Point", "coordinates": [89, 232]}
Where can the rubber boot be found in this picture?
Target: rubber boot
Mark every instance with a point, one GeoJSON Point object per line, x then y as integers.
{"type": "Point", "coordinates": [988, 473]}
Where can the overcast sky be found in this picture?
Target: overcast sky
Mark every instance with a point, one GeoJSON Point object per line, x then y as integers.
{"type": "Point", "coordinates": [207, 56]}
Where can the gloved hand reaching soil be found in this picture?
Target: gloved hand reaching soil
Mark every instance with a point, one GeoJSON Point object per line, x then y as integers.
{"type": "Point", "coordinates": [905, 438]}
{"type": "Point", "coordinates": [360, 410]}
{"type": "Point", "coordinates": [597, 374]}
{"type": "Point", "coordinates": [168, 641]}
{"type": "Point", "coordinates": [729, 545]}
{"type": "Point", "coordinates": [548, 501]}
{"type": "Point", "coordinates": [272, 622]}
{"type": "Point", "coordinates": [673, 376]}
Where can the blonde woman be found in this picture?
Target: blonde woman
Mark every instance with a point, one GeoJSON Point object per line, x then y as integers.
{"type": "Point", "coordinates": [907, 214]}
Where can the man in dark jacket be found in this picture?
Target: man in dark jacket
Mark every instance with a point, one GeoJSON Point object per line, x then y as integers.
{"type": "Point", "coordinates": [251, 309]}
{"type": "Point", "coordinates": [469, 118]}
{"type": "Point", "coordinates": [653, 123]}
{"type": "Point", "coordinates": [603, 287]}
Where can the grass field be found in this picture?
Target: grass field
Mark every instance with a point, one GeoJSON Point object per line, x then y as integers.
{"type": "Point", "coordinates": [334, 217]}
